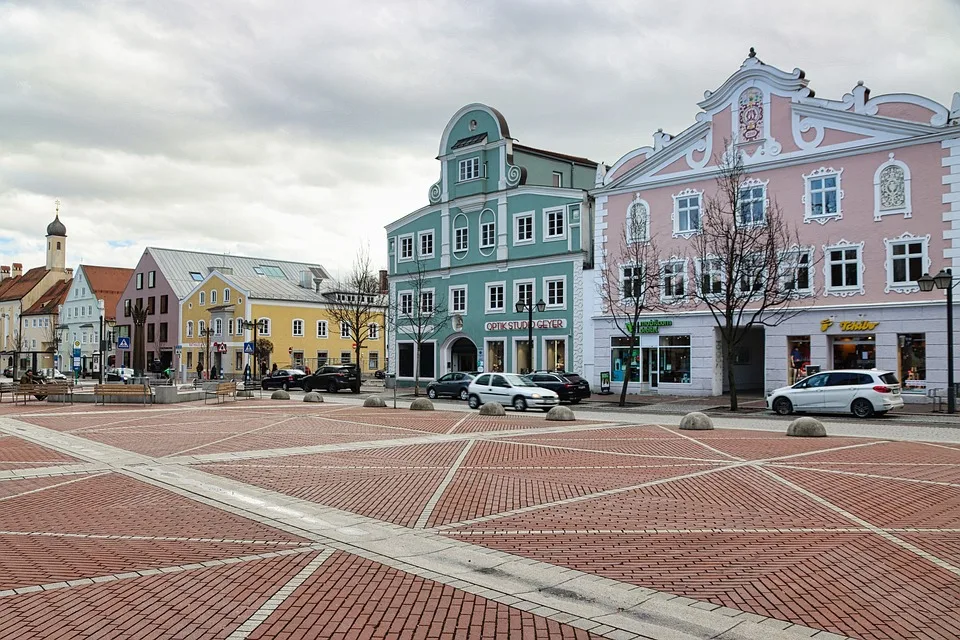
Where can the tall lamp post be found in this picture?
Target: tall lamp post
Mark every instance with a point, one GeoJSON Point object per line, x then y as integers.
{"type": "Point", "coordinates": [100, 356]}
{"type": "Point", "coordinates": [944, 280]}
{"type": "Point", "coordinates": [527, 305]}
{"type": "Point", "coordinates": [206, 332]}
{"type": "Point", "coordinates": [255, 325]}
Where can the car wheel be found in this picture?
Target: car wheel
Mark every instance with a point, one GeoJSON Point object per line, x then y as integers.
{"type": "Point", "coordinates": [575, 401]}
{"type": "Point", "coordinates": [862, 408]}
{"type": "Point", "coordinates": [285, 386]}
{"type": "Point", "coordinates": [307, 387]}
{"type": "Point", "coordinates": [519, 403]}
{"type": "Point", "coordinates": [463, 394]}
{"type": "Point", "coordinates": [783, 406]}
{"type": "Point", "coordinates": [332, 387]}
{"type": "Point", "coordinates": [473, 402]}
{"type": "Point", "coordinates": [432, 393]}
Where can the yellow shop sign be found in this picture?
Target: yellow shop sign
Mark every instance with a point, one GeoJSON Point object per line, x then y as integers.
{"type": "Point", "coordinates": [850, 325]}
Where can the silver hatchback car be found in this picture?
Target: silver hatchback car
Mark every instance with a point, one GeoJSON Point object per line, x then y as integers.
{"type": "Point", "coordinates": [510, 390]}
{"type": "Point", "coordinates": [862, 392]}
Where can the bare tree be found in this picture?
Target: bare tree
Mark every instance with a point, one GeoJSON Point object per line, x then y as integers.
{"type": "Point", "coordinates": [356, 302]}
{"type": "Point", "coordinates": [419, 311]}
{"type": "Point", "coordinates": [749, 263]}
{"type": "Point", "coordinates": [629, 279]}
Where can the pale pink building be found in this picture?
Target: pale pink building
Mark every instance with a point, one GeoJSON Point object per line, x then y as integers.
{"type": "Point", "coordinates": [872, 184]}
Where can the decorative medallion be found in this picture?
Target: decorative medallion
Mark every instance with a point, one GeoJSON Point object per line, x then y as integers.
{"type": "Point", "coordinates": [893, 193]}
{"type": "Point", "coordinates": [751, 115]}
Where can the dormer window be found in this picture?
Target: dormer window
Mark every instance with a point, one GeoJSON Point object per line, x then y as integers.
{"type": "Point", "coordinates": [196, 276]}
{"type": "Point", "coordinates": [469, 169]}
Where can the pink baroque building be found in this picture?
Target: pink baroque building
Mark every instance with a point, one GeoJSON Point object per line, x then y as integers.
{"type": "Point", "coordinates": [872, 185]}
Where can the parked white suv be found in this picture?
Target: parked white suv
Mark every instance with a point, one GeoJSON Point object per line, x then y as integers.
{"type": "Point", "coordinates": [863, 392]}
{"type": "Point", "coordinates": [510, 390]}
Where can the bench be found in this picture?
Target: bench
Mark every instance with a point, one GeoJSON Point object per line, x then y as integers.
{"type": "Point", "coordinates": [120, 390]}
{"type": "Point", "coordinates": [8, 388]}
{"type": "Point", "coordinates": [41, 390]}
{"type": "Point", "coordinates": [222, 390]}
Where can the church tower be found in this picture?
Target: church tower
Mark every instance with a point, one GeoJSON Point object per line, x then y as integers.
{"type": "Point", "coordinates": [56, 244]}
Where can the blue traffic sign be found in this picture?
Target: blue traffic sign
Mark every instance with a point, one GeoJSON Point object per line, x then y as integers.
{"type": "Point", "coordinates": [248, 347]}
{"type": "Point", "coordinates": [76, 353]}
{"type": "Point", "coordinates": [123, 342]}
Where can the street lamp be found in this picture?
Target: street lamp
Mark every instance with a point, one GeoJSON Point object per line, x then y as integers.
{"type": "Point", "coordinates": [206, 332]}
{"type": "Point", "coordinates": [100, 307]}
{"type": "Point", "coordinates": [255, 325]}
{"type": "Point", "coordinates": [526, 304]}
{"type": "Point", "coordinates": [944, 280]}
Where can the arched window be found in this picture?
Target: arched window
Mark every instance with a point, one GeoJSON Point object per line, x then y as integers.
{"type": "Point", "coordinates": [201, 326]}
{"type": "Point", "coordinates": [751, 115]}
{"type": "Point", "coordinates": [189, 328]}
{"type": "Point", "coordinates": [239, 322]}
{"type": "Point", "coordinates": [226, 296]}
{"type": "Point", "coordinates": [202, 298]}
{"type": "Point", "coordinates": [218, 327]}
{"type": "Point", "coordinates": [638, 221]}
{"type": "Point", "coordinates": [58, 246]}
{"type": "Point", "coordinates": [213, 296]}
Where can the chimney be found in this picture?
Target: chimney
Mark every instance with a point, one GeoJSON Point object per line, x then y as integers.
{"type": "Point", "coordinates": [384, 285]}
{"type": "Point", "coordinates": [4, 273]}
{"type": "Point", "coordinates": [69, 271]}
{"type": "Point", "coordinates": [17, 270]}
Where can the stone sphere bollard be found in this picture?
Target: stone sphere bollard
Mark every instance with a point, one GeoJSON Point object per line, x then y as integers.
{"type": "Point", "coordinates": [492, 409]}
{"type": "Point", "coordinates": [807, 427]}
{"type": "Point", "coordinates": [696, 421]}
{"type": "Point", "coordinates": [421, 404]}
{"type": "Point", "coordinates": [374, 401]}
{"type": "Point", "coordinates": [312, 396]}
{"type": "Point", "coordinates": [561, 414]}
{"type": "Point", "coordinates": [279, 394]}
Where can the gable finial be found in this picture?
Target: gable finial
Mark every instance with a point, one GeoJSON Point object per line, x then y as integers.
{"type": "Point", "coordinates": [752, 54]}
{"type": "Point", "coordinates": [57, 203]}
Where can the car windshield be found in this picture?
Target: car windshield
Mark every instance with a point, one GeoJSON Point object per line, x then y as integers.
{"type": "Point", "coordinates": [518, 381]}
{"type": "Point", "coordinates": [295, 372]}
{"type": "Point", "coordinates": [889, 378]}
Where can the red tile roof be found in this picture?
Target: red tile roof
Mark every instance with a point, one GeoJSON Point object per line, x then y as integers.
{"type": "Point", "coordinates": [16, 288]}
{"type": "Point", "coordinates": [53, 298]}
{"type": "Point", "coordinates": [108, 283]}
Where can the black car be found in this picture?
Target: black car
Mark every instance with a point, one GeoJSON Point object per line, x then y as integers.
{"type": "Point", "coordinates": [452, 384]}
{"type": "Point", "coordinates": [8, 372]}
{"type": "Point", "coordinates": [570, 387]}
{"type": "Point", "coordinates": [285, 379]}
{"type": "Point", "coordinates": [333, 378]}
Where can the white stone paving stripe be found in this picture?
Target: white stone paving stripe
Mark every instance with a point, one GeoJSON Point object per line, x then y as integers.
{"type": "Point", "coordinates": [267, 608]}
{"type": "Point", "coordinates": [459, 422]}
{"type": "Point", "coordinates": [725, 460]}
{"type": "Point", "coordinates": [442, 487]}
{"type": "Point", "coordinates": [140, 573]}
{"type": "Point", "coordinates": [903, 544]}
{"type": "Point", "coordinates": [523, 532]}
{"type": "Point", "coordinates": [54, 486]}
{"type": "Point", "coordinates": [866, 475]}
{"type": "Point", "coordinates": [702, 444]}
{"type": "Point", "coordinates": [45, 472]}
{"type": "Point", "coordinates": [793, 456]}
{"type": "Point", "coordinates": [109, 536]}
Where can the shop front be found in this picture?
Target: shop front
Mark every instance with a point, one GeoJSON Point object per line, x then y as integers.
{"type": "Point", "coordinates": [506, 346]}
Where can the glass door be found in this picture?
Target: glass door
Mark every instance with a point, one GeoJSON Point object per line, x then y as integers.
{"type": "Point", "coordinates": [651, 370]}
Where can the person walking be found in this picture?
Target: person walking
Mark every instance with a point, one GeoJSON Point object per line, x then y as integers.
{"type": "Point", "coordinates": [199, 371]}
{"type": "Point", "coordinates": [796, 360]}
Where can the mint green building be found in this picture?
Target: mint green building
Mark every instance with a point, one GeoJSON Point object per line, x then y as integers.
{"type": "Point", "coordinates": [505, 223]}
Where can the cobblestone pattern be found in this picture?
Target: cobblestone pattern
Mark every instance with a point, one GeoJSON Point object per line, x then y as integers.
{"type": "Point", "coordinates": [16, 453]}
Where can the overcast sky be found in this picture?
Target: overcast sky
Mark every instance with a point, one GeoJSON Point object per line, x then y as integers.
{"type": "Point", "coordinates": [298, 129]}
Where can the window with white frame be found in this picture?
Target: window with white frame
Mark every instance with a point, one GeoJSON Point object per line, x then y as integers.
{"type": "Point", "coordinates": [264, 326]}
{"type": "Point", "coordinates": [373, 331]}
{"type": "Point", "coordinates": [674, 279]}
{"type": "Point", "coordinates": [556, 292]}
{"type": "Point", "coordinates": [495, 301]}
{"type": "Point", "coordinates": [906, 261]}
{"type": "Point", "coordinates": [230, 326]}
{"type": "Point", "coordinates": [523, 228]}
{"type": "Point", "coordinates": [218, 327]}
{"type": "Point", "coordinates": [488, 235]}
{"type": "Point", "coordinates": [226, 296]}
{"type": "Point", "coordinates": [322, 328]}
{"type": "Point", "coordinates": [406, 247]}
{"type": "Point", "coordinates": [686, 215]}
{"type": "Point", "coordinates": [753, 203]}
{"type": "Point", "coordinates": [711, 276]}
{"type": "Point", "coordinates": [557, 179]}
{"type": "Point", "coordinates": [796, 275]}
{"type": "Point", "coordinates": [344, 329]}
{"type": "Point", "coordinates": [213, 296]}
{"type": "Point", "coordinates": [469, 169]}
{"type": "Point", "coordinates": [239, 323]}
{"type": "Point", "coordinates": [461, 239]}
{"type": "Point", "coordinates": [189, 328]}
{"type": "Point", "coordinates": [554, 226]}
{"type": "Point", "coordinates": [844, 268]}
{"type": "Point", "coordinates": [298, 328]}
{"type": "Point", "coordinates": [822, 195]}
{"type": "Point", "coordinates": [458, 299]}
{"type": "Point", "coordinates": [426, 244]}
{"type": "Point", "coordinates": [201, 298]}
{"type": "Point", "coordinates": [373, 361]}
{"type": "Point", "coordinates": [638, 222]}
{"type": "Point", "coordinates": [631, 282]}
{"type": "Point", "coordinates": [752, 273]}
{"type": "Point", "coordinates": [523, 291]}
{"type": "Point", "coordinates": [426, 302]}
{"type": "Point", "coordinates": [406, 303]}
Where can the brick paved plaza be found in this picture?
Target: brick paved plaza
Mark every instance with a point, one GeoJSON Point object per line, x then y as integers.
{"type": "Point", "coordinates": [267, 519]}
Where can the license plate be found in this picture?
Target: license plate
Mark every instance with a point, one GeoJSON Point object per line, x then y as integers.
{"type": "Point", "coordinates": [896, 391]}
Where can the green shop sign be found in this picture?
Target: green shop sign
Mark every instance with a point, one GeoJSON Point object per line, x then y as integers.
{"type": "Point", "coordinates": [649, 326]}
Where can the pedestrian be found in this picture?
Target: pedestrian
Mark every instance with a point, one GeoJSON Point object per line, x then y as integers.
{"type": "Point", "coordinates": [306, 370]}
{"type": "Point", "coordinates": [246, 373]}
{"type": "Point", "coordinates": [274, 369]}
{"type": "Point", "coordinates": [199, 371]}
{"type": "Point", "coordinates": [213, 372]}
{"type": "Point", "coordinates": [796, 359]}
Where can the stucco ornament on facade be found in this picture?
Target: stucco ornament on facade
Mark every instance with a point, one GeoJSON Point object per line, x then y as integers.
{"type": "Point", "coordinates": [891, 186]}
{"type": "Point", "coordinates": [436, 191]}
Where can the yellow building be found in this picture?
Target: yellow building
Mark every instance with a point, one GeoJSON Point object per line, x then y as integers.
{"type": "Point", "coordinates": [295, 316]}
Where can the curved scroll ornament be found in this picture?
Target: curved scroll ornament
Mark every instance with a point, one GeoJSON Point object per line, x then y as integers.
{"type": "Point", "coordinates": [513, 175]}
{"type": "Point", "coordinates": [435, 192]}
{"type": "Point", "coordinates": [893, 193]}
{"type": "Point", "coordinates": [751, 115]}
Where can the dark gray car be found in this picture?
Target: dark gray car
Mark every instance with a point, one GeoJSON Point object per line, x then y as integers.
{"type": "Point", "coordinates": [452, 384]}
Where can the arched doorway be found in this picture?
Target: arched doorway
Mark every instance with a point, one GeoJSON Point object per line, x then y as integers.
{"type": "Point", "coordinates": [463, 355]}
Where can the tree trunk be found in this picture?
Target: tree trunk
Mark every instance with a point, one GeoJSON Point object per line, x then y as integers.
{"type": "Point", "coordinates": [731, 379]}
{"type": "Point", "coordinates": [416, 375]}
{"type": "Point", "coordinates": [626, 373]}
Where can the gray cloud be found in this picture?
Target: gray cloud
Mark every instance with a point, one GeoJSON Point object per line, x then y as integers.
{"type": "Point", "coordinates": [301, 128]}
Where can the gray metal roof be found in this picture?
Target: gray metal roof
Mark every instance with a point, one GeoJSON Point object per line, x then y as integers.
{"type": "Point", "coordinates": [266, 288]}
{"type": "Point", "coordinates": [176, 266]}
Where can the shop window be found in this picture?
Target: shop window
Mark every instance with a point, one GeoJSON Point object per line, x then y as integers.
{"type": "Point", "coordinates": [427, 367]}
{"type": "Point", "coordinates": [624, 359]}
{"type": "Point", "coordinates": [675, 359]}
{"type": "Point", "coordinates": [855, 352]}
{"type": "Point", "coordinates": [321, 358]}
{"type": "Point", "coordinates": [495, 352]}
{"type": "Point", "coordinates": [556, 355]}
{"type": "Point", "coordinates": [798, 357]}
{"type": "Point", "coordinates": [373, 361]}
{"type": "Point", "coordinates": [345, 357]}
{"type": "Point", "coordinates": [405, 359]}
{"type": "Point", "coordinates": [912, 348]}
